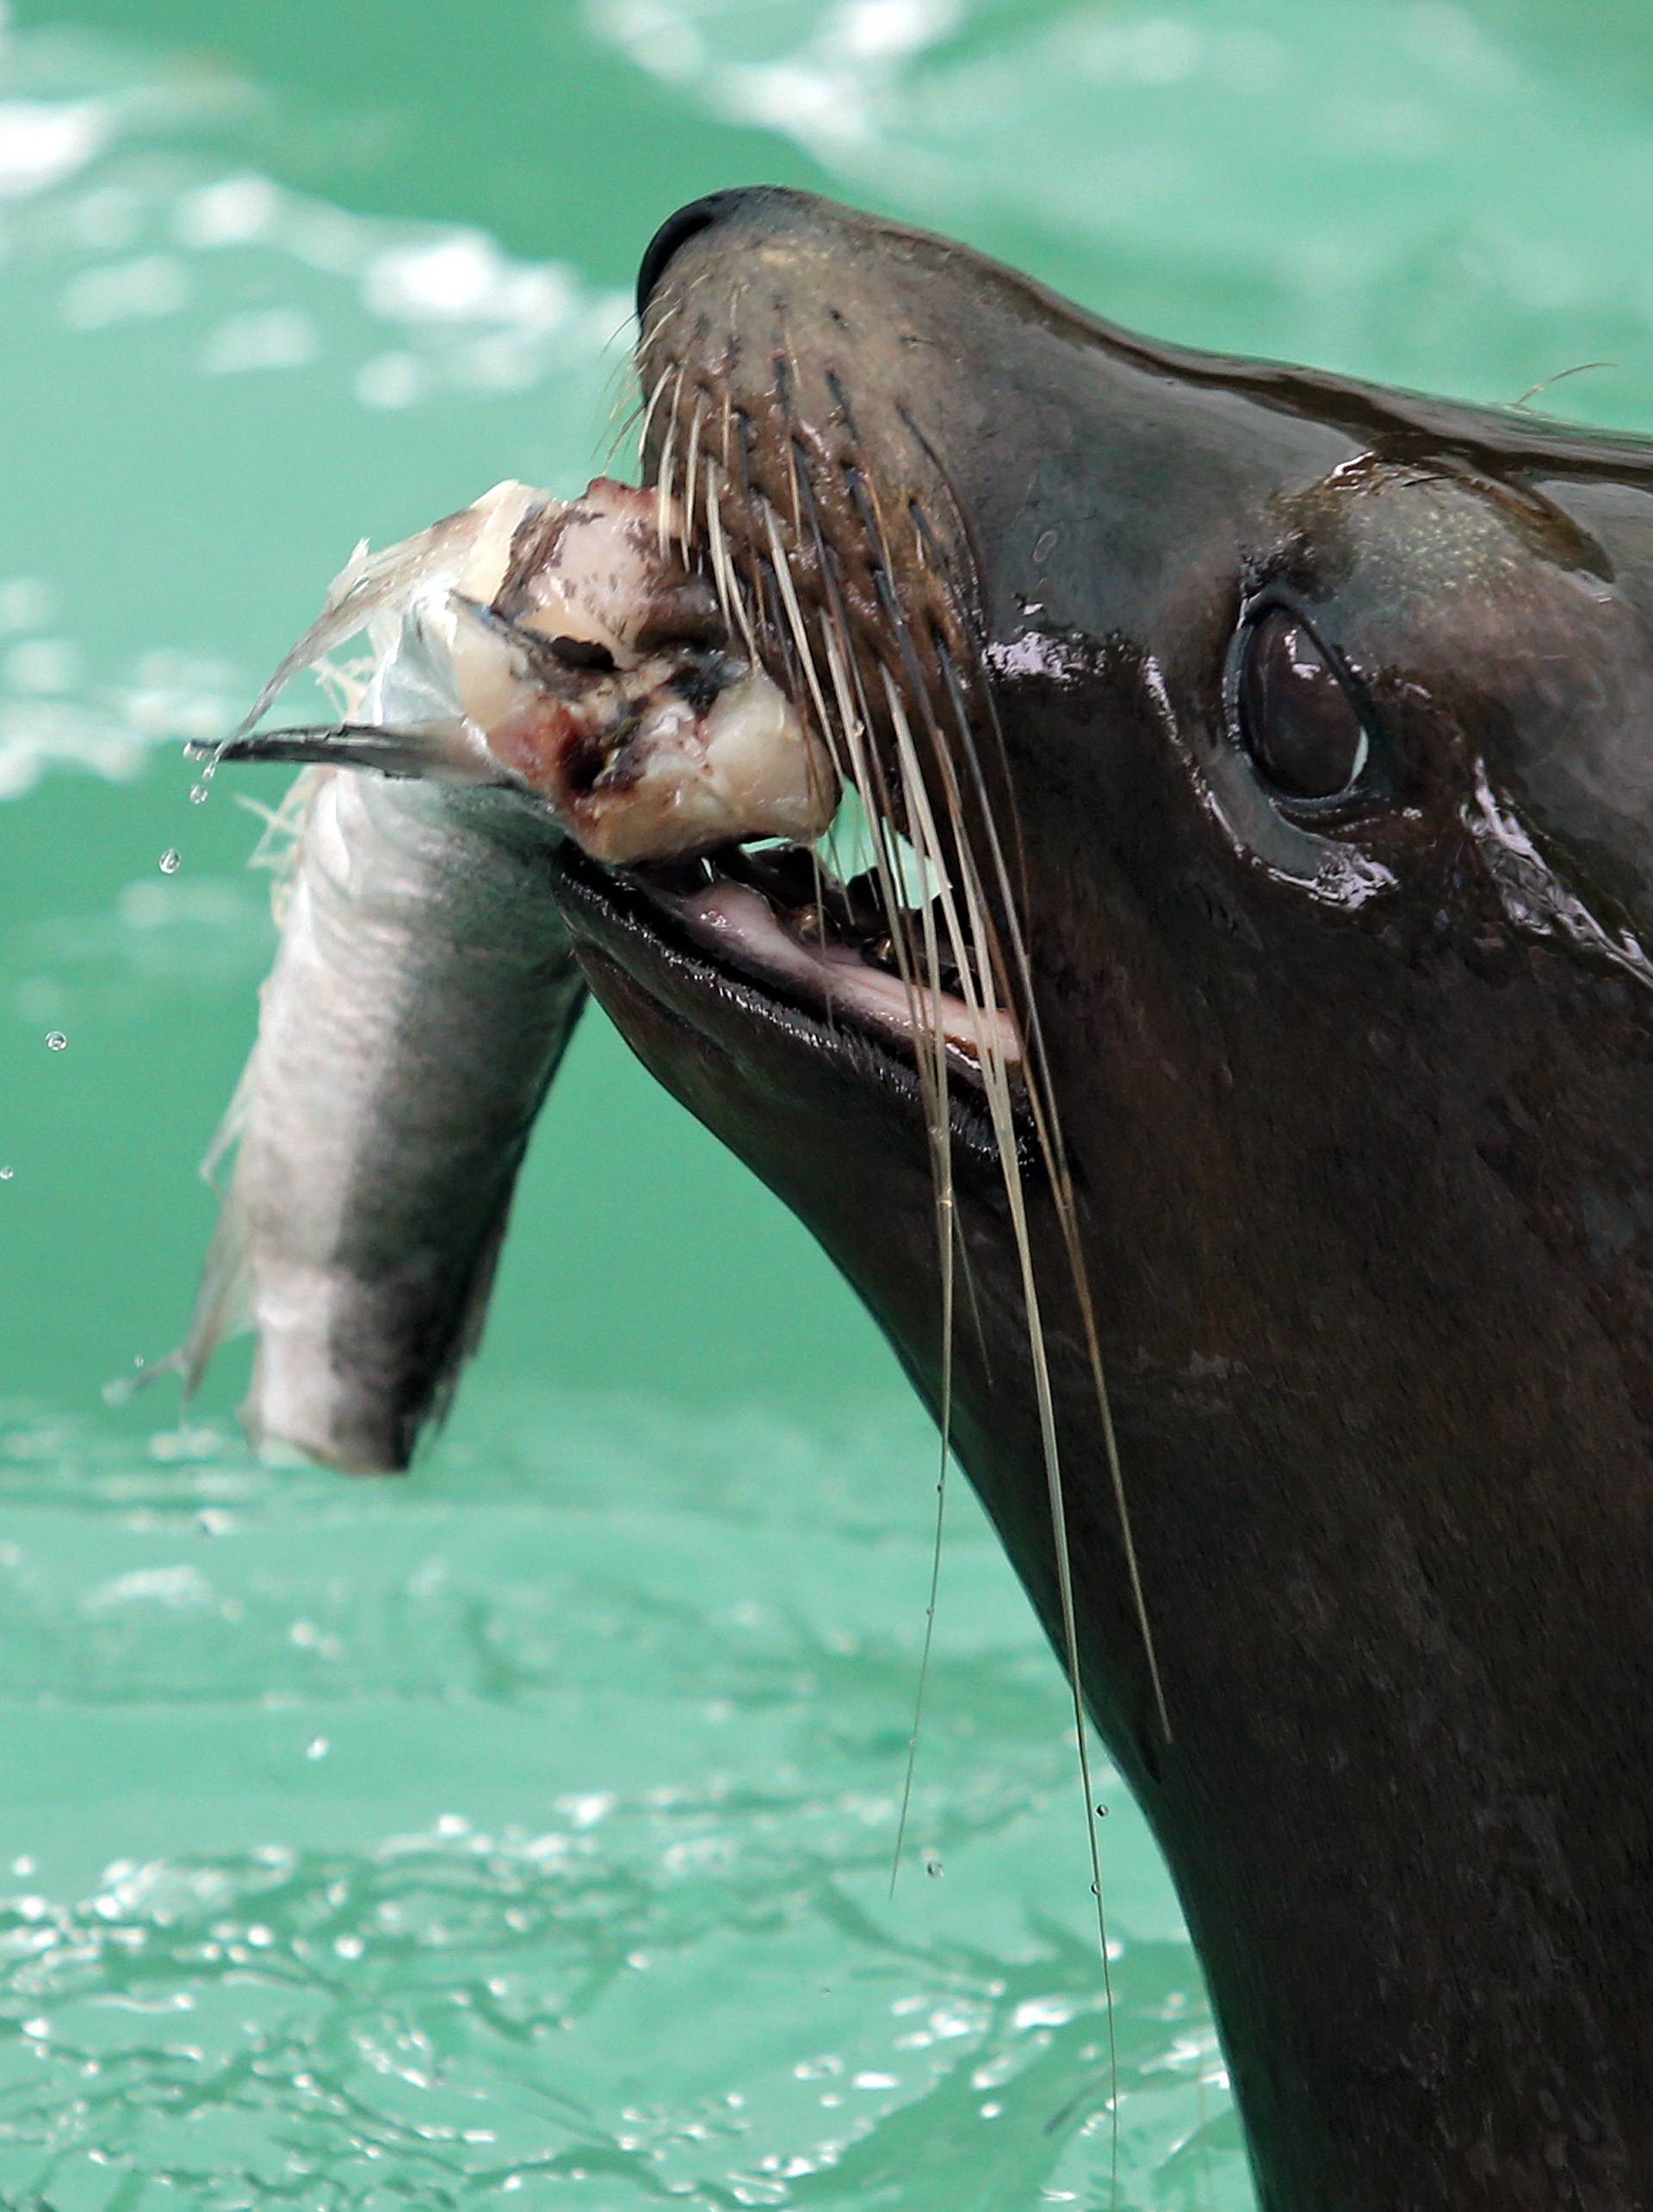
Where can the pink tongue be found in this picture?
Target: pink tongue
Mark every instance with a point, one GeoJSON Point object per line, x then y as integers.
{"type": "Point", "coordinates": [742, 921]}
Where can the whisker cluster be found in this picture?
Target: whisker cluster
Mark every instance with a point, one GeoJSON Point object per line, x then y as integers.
{"type": "Point", "coordinates": [903, 723]}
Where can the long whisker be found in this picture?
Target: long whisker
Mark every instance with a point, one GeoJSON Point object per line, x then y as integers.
{"type": "Point", "coordinates": [627, 425]}
{"type": "Point", "coordinates": [731, 598]}
{"type": "Point", "coordinates": [801, 637]}
{"type": "Point", "coordinates": [965, 591]}
{"type": "Point", "coordinates": [946, 1235]}
{"type": "Point", "coordinates": [1041, 1100]}
{"type": "Point", "coordinates": [855, 715]}
{"type": "Point", "coordinates": [935, 1092]}
{"type": "Point", "coordinates": [867, 773]}
{"type": "Point", "coordinates": [657, 319]}
{"type": "Point", "coordinates": [794, 611]}
{"type": "Point", "coordinates": [997, 1089]}
{"type": "Point", "coordinates": [729, 592]}
{"type": "Point", "coordinates": [658, 387]}
{"type": "Point", "coordinates": [691, 470]}
{"type": "Point", "coordinates": [865, 498]}
{"type": "Point", "coordinates": [666, 481]}
{"type": "Point", "coordinates": [617, 382]}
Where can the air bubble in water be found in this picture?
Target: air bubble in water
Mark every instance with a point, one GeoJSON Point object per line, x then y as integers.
{"type": "Point", "coordinates": [171, 861]}
{"type": "Point", "coordinates": [6, 1174]}
{"type": "Point", "coordinates": [317, 1748]}
{"type": "Point", "coordinates": [933, 1865]}
{"type": "Point", "coordinates": [55, 1040]}
{"type": "Point", "coordinates": [200, 793]}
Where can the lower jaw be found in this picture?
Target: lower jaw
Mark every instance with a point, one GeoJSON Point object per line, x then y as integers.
{"type": "Point", "coordinates": [737, 930]}
{"type": "Point", "coordinates": [715, 947]}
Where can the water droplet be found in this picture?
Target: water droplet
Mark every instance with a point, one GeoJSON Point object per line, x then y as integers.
{"type": "Point", "coordinates": [55, 1040]}
{"type": "Point", "coordinates": [171, 861]}
{"type": "Point", "coordinates": [200, 793]}
{"type": "Point", "coordinates": [933, 1865]}
{"type": "Point", "coordinates": [317, 1748]}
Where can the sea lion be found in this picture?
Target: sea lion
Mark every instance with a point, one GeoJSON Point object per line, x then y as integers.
{"type": "Point", "coordinates": [1240, 1126]}
{"type": "Point", "coordinates": [1298, 737]}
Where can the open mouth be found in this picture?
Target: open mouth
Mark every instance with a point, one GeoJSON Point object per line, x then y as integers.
{"type": "Point", "coordinates": [779, 920]}
{"type": "Point", "coordinates": [618, 660]}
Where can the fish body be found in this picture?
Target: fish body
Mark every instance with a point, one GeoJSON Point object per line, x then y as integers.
{"type": "Point", "coordinates": [420, 1001]}
{"type": "Point", "coordinates": [538, 669]}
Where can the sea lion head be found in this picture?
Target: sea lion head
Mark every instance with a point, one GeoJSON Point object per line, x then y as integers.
{"type": "Point", "coordinates": [1294, 742]}
{"type": "Point", "coordinates": [1299, 732]}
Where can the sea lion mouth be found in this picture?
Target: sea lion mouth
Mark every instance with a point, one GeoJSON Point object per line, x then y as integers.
{"type": "Point", "coordinates": [611, 665]}
{"type": "Point", "coordinates": [776, 919]}
{"type": "Point", "coordinates": [841, 565]}
{"type": "Point", "coordinates": [816, 969]}
{"type": "Point", "coordinates": [844, 943]}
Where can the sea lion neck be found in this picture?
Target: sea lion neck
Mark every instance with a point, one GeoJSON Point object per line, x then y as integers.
{"type": "Point", "coordinates": [1315, 722]}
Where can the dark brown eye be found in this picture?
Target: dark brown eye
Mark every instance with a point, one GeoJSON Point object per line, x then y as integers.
{"type": "Point", "coordinates": [1296, 718]}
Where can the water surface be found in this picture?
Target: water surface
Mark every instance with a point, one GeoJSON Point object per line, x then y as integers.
{"type": "Point", "coordinates": [524, 1831]}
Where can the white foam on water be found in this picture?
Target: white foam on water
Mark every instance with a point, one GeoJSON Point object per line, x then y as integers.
{"type": "Point", "coordinates": [235, 276]}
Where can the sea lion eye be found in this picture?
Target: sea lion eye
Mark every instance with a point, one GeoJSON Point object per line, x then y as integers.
{"type": "Point", "coordinates": [1297, 721]}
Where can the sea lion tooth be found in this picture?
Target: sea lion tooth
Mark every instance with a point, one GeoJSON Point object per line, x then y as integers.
{"type": "Point", "coordinates": [810, 923]}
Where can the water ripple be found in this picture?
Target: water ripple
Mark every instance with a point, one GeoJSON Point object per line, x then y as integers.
{"type": "Point", "coordinates": [120, 246]}
{"type": "Point", "coordinates": [444, 2016]}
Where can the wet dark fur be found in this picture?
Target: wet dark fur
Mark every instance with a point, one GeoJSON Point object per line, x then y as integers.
{"type": "Point", "coordinates": [1361, 1183]}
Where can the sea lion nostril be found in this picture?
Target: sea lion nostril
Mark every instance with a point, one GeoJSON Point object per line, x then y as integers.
{"type": "Point", "coordinates": [677, 231]}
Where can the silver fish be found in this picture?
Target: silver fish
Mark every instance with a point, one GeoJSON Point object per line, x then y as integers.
{"type": "Point", "coordinates": [408, 1031]}
{"type": "Point", "coordinates": [420, 1001]}
{"type": "Point", "coordinates": [539, 669]}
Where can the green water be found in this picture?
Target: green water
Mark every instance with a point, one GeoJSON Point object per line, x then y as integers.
{"type": "Point", "coordinates": [521, 1833]}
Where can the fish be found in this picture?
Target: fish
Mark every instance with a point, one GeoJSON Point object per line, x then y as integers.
{"type": "Point", "coordinates": [538, 670]}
